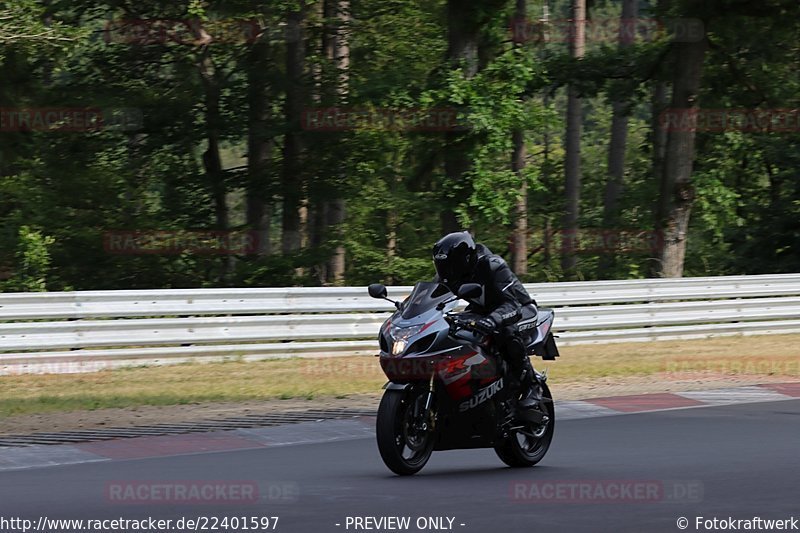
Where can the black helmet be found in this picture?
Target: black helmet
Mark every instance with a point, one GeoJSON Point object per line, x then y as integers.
{"type": "Point", "coordinates": [454, 257]}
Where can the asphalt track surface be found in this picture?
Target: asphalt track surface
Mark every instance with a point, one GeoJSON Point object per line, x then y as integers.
{"type": "Point", "coordinates": [739, 461]}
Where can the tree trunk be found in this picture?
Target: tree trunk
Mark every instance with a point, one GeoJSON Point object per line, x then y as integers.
{"type": "Point", "coordinates": [318, 218]}
{"type": "Point", "coordinates": [212, 162]}
{"type": "Point", "coordinates": [677, 193]}
{"type": "Point", "coordinates": [336, 264]}
{"type": "Point", "coordinates": [547, 242]}
{"type": "Point", "coordinates": [618, 144]}
{"type": "Point", "coordinates": [659, 104]}
{"type": "Point", "coordinates": [548, 230]}
{"type": "Point", "coordinates": [463, 33]}
{"type": "Point", "coordinates": [292, 179]}
{"type": "Point", "coordinates": [519, 247]}
{"type": "Point", "coordinates": [775, 189]}
{"type": "Point", "coordinates": [572, 157]}
{"type": "Point", "coordinates": [259, 149]}
{"type": "Point", "coordinates": [391, 234]}
{"type": "Point", "coordinates": [519, 235]}
{"type": "Point", "coordinates": [462, 37]}
{"type": "Point", "coordinates": [336, 44]}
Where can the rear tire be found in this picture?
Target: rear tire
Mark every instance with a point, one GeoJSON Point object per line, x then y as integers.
{"type": "Point", "coordinates": [404, 448]}
{"type": "Point", "coordinates": [522, 450]}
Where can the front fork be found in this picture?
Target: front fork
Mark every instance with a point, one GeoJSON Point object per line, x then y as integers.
{"type": "Point", "coordinates": [426, 420]}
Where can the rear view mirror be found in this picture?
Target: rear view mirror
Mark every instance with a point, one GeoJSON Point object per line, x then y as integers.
{"type": "Point", "coordinates": [377, 290]}
{"type": "Point", "coordinates": [469, 291]}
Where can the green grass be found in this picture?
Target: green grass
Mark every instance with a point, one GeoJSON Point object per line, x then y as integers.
{"type": "Point", "coordinates": [236, 381]}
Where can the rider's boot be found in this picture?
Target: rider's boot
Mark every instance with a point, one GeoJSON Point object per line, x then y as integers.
{"type": "Point", "coordinates": [531, 388]}
{"type": "Point", "coordinates": [521, 368]}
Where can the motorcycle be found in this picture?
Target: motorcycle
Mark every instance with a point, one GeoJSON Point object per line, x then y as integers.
{"type": "Point", "coordinates": [450, 387]}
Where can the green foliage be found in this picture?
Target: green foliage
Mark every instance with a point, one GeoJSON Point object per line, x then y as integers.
{"type": "Point", "coordinates": [62, 192]}
{"type": "Point", "coordinates": [23, 26]}
{"type": "Point", "coordinates": [33, 262]}
{"type": "Point", "coordinates": [496, 103]}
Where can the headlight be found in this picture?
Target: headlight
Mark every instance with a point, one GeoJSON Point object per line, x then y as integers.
{"type": "Point", "coordinates": [404, 333]}
{"type": "Point", "coordinates": [401, 335]}
{"type": "Point", "coordinates": [399, 346]}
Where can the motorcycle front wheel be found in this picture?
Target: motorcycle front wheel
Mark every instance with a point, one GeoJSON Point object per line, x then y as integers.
{"type": "Point", "coordinates": [528, 445]}
{"type": "Point", "coordinates": [404, 430]}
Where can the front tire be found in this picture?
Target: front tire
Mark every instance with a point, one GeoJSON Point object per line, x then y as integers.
{"type": "Point", "coordinates": [526, 447]}
{"type": "Point", "coordinates": [404, 445]}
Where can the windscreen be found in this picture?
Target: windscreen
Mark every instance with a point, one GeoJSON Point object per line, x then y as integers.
{"type": "Point", "coordinates": [425, 296]}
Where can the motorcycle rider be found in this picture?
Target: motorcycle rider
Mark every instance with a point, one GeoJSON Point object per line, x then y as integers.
{"type": "Point", "coordinates": [459, 260]}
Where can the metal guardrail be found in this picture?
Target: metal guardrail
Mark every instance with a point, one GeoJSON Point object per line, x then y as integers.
{"type": "Point", "coordinates": [76, 328]}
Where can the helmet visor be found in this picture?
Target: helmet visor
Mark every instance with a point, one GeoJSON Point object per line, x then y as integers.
{"type": "Point", "coordinates": [444, 270]}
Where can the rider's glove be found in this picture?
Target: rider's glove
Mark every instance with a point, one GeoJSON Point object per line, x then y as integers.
{"type": "Point", "coordinates": [485, 325]}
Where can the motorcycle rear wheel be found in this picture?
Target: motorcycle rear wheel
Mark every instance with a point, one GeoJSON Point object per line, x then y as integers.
{"type": "Point", "coordinates": [404, 448]}
{"type": "Point", "coordinates": [528, 446]}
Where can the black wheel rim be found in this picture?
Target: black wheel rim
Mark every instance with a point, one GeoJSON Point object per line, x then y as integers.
{"type": "Point", "coordinates": [411, 441]}
{"type": "Point", "coordinates": [534, 439]}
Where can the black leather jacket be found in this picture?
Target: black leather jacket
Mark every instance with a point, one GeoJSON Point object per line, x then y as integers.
{"type": "Point", "coordinates": [503, 294]}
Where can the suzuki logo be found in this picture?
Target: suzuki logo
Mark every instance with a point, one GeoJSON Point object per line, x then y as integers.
{"type": "Point", "coordinates": [482, 396]}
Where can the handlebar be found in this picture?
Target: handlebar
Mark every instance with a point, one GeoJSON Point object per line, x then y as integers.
{"type": "Point", "coordinates": [458, 323]}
